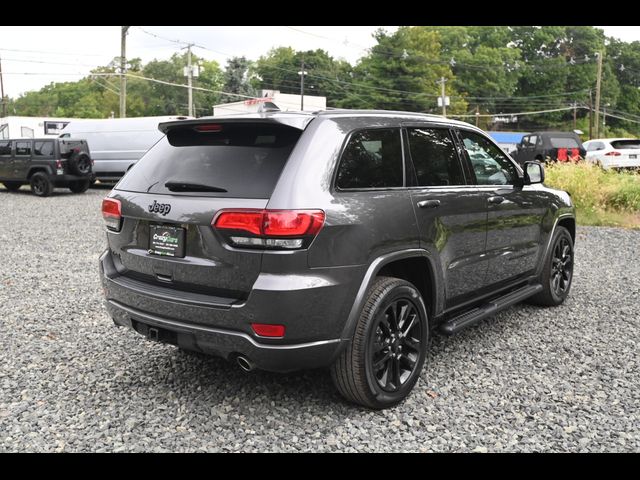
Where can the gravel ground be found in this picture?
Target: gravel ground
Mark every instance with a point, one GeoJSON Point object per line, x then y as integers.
{"type": "Point", "coordinates": [529, 379]}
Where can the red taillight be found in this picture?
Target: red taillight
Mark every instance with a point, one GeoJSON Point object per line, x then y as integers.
{"type": "Point", "coordinates": [246, 220]}
{"type": "Point", "coordinates": [112, 213]}
{"type": "Point", "coordinates": [562, 154]}
{"type": "Point", "coordinates": [612, 154]}
{"type": "Point", "coordinates": [209, 127]}
{"type": "Point", "coordinates": [273, 228]}
{"type": "Point", "coordinates": [58, 163]}
{"type": "Point", "coordinates": [267, 330]}
{"type": "Point", "coordinates": [292, 222]}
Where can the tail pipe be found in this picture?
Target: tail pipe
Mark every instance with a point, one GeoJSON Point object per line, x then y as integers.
{"type": "Point", "coordinates": [244, 363]}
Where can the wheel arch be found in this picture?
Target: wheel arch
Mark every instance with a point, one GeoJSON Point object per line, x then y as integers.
{"type": "Point", "coordinates": [34, 170]}
{"type": "Point", "coordinates": [413, 265]}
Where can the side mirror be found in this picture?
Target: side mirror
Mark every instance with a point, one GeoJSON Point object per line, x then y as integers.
{"type": "Point", "coordinates": [533, 173]}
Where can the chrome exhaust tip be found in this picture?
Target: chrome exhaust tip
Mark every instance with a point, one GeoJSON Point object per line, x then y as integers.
{"type": "Point", "coordinates": [244, 363]}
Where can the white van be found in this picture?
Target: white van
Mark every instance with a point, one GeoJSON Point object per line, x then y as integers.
{"type": "Point", "coordinates": [117, 143]}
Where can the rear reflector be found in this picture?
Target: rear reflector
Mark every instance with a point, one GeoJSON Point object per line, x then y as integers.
{"type": "Point", "coordinates": [112, 213]}
{"type": "Point", "coordinates": [267, 330]}
{"type": "Point", "coordinates": [612, 154]}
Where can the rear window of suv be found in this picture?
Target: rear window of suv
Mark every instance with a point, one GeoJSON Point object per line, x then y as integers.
{"type": "Point", "coordinates": [227, 160]}
{"type": "Point", "coordinates": [626, 144]}
{"type": "Point", "coordinates": [563, 142]}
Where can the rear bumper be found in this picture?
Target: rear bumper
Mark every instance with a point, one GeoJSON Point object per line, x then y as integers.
{"type": "Point", "coordinates": [65, 180]}
{"type": "Point", "coordinates": [314, 313]}
{"type": "Point", "coordinates": [226, 343]}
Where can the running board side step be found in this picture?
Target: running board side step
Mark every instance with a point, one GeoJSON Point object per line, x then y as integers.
{"type": "Point", "coordinates": [468, 318]}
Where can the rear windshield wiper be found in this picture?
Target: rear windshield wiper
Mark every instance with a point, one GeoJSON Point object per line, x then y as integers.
{"type": "Point", "coordinates": [192, 187]}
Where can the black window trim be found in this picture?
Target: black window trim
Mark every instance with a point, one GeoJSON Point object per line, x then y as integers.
{"type": "Point", "coordinates": [519, 170]}
{"type": "Point", "coordinates": [334, 182]}
{"type": "Point", "coordinates": [452, 136]}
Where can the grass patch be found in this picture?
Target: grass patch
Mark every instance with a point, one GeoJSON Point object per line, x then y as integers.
{"type": "Point", "coordinates": [602, 197]}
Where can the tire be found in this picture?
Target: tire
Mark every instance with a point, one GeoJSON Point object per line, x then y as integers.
{"type": "Point", "coordinates": [79, 163]}
{"type": "Point", "coordinates": [375, 339]}
{"type": "Point", "coordinates": [79, 186]}
{"type": "Point", "coordinates": [12, 186]}
{"type": "Point", "coordinates": [41, 184]}
{"type": "Point", "coordinates": [556, 269]}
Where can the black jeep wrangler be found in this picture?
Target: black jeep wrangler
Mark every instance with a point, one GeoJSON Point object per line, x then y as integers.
{"type": "Point", "coordinates": [46, 164]}
{"type": "Point", "coordinates": [549, 147]}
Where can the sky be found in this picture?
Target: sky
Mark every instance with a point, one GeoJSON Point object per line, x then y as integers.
{"type": "Point", "coordinates": [33, 57]}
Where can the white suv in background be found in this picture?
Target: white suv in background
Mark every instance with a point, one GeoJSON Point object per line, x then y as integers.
{"type": "Point", "coordinates": [614, 152]}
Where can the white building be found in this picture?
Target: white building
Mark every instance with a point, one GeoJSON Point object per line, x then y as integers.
{"type": "Point", "coordinates": [32, 127]}
{"type": "Point", "coordinates": [284, 101]}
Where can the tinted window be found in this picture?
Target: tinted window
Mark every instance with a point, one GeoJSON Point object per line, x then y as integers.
{"type": "Point", "coordinates": [44, 149]}
{"type": "Point", "coordinates": [5, 148]}
{"type": "Point", "coordinates": [490, 164]}
{"type": "Point", "coordinates": [626, 144]}
{"type": "Point", "coordinates": [434, 157]}
{"type": "Point", "coordinates": [563, 142]}
{"type": "Point", "coordinates": [240, 160]}
{"type": "Point", "coordinates": [23, 148]}
{"type": "Point", "coordinates": [372, 159]}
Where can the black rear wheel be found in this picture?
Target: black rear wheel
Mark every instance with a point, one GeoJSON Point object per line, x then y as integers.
{"type": "Point", "coordinates": [383, 362]}
{"type": "Point", "coordinates": [12, 186]}
{"type": "Point", "coordinates": [41, 184]}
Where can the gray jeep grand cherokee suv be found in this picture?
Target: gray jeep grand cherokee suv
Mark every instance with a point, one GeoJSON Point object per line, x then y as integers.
{"type": "Point", "coordinates": [288, 241]}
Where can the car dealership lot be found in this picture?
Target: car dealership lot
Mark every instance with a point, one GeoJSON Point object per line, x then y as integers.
{"type": "Point", "coordinates": [562, 379]}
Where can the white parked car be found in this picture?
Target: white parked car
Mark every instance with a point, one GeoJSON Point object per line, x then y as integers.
{"type": "Point", "coordinates": [614, 152]}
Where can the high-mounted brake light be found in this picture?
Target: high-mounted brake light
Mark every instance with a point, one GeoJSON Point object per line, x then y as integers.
{"type": "Point", "coordinates": [209, 127]}
{"type": "Point", "coordinates": [612, 154]}
{"type": "Point", "coordinates": [112, 213]}
{"type": "Point", "coordinates": [287, 229]}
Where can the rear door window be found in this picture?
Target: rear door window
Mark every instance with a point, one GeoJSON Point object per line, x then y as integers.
{"type": "Point", "coordinates": [222, 160]}
{"type": "Point", "coordinates": [372, 159]}
{"type": "Point", "coordinates": [23, 148]}
{"type": "Point", "coordinates": [434, 157]}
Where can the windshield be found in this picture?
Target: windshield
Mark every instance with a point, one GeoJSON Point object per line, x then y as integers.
{"type": "Point", "coordinates": [228, 160]}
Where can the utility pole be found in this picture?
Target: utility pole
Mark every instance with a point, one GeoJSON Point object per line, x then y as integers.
{"type": "Point", "coordinates": [190, 80]}
{"type": "Point", "coordinates": [302, 73]}
{"type": "Point", "coordinates": [598, 85]}
{"type": "Point", "coordinates": [477, 114]}
{"type": "Point", "coordinates": [442, 81]}
{"type": "Point", "coordinates": [4, 104]}
{"type": "Point", "coordinates": [123, 72]}
{"type": "Point", "coordinates": [590, 115]}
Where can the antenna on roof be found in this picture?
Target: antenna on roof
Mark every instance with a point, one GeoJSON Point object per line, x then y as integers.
{"type": "Point", "coordinates": [268, 107]}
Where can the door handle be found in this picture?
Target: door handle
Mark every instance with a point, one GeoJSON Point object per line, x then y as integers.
{"type": "Point", "coordinates": [429, 203]}
{"type": "Point", "coordinates": [496, 199]}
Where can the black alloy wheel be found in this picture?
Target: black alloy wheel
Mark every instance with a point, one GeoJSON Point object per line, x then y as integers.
{"type": "Point", "coordinates": [561, 267]}
{"type": "Point", "coordinates": [396, 346]}
{"type": "Point", "coordinates": [381, 364]}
